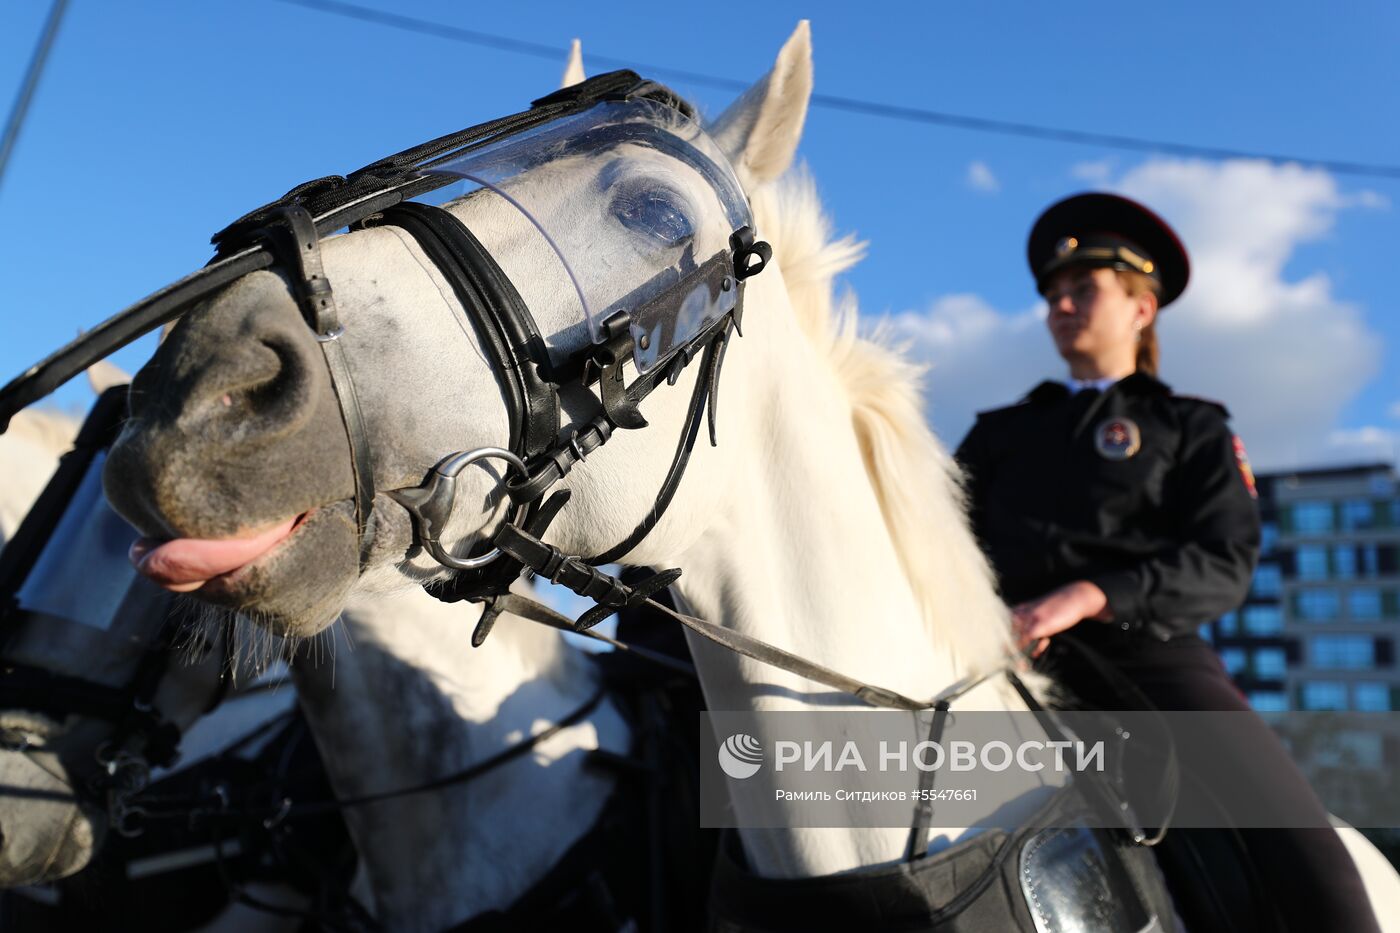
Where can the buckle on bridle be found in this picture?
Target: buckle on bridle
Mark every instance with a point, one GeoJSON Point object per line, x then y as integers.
{"type": "Point", "coordinates": [746, 249]}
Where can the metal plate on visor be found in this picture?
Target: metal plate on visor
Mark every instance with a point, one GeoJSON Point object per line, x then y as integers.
{"type": "Point", "coordinates": [628, 206]}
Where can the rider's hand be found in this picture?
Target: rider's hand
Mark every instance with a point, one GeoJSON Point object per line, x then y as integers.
{"type": "Point", "coordinates": [1056, 611]}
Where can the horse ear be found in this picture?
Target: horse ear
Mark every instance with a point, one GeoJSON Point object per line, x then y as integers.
{"type": "Point", "coordinates": [759, 132]}
{"type": "Point", "coordinates": [102, 375]}
{"type": "Point", "coordinates": [573, 68]}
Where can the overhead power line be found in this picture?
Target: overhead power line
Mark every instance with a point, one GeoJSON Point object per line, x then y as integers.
{"type": "Point", "coordinates": [31, 81]}
{"type": "Point", "coordinates": [846, 104]}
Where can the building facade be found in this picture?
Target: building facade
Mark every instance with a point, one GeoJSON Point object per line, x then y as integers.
{"type": "Point", "coordinates": [1318, 630]}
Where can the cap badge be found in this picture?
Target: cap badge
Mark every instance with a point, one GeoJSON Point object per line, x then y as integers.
{"type": "Point", "coordinates": [1117, 438]}
{"type": "Point", "coordinates": [1066, 246]}
{"type": "Point", "coordinates": [1141, 263]}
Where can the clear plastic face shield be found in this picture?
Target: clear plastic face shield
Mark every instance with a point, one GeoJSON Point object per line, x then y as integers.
{"type": "Point", "coordinates": [70, 601]}
{"type": "Point", "coordinates": [627, 206]}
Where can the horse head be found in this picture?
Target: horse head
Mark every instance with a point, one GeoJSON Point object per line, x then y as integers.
{"type": "Point", "coordinates": [236, 459]}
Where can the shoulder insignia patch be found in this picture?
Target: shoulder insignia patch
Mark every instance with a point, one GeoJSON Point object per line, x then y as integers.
{"type": "Point", "coordinates": [1242, 461]}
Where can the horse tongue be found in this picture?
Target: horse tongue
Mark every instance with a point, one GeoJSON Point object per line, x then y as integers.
{"type": "Point", "coordinates": [185, 564]}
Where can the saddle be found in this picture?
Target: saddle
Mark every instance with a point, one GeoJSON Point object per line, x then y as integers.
{"type": "Point", "coordinates": [1030, 880]}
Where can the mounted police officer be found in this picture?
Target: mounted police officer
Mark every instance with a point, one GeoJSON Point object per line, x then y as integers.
{"type": "Point", "coordinates": [1120, 516]}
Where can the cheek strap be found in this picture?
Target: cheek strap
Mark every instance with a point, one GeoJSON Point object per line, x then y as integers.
{"type": "Point", "coordinates": [292, 237]}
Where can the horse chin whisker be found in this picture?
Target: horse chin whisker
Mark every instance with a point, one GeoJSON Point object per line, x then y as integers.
{"type": "Point", "coordinates": [203, 631]}
{"type": "Point", "coordinates": [253, 648]}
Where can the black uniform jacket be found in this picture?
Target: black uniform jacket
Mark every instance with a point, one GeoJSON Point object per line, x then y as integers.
{"type": "Point", "coordinates": [1170, 533]}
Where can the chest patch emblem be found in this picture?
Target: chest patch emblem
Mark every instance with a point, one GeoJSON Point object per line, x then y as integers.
{"type": "Point", "coordinates": [1117, 438]}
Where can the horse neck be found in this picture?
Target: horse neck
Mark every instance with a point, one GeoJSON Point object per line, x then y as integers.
{"type": "Point", "coordinates": [405, 699]}
{"type": "Point", "coordinates": [799, 555]}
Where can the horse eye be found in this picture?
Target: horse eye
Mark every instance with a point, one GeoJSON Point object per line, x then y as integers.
{"type": "Point", "coordinates": [654, 213]}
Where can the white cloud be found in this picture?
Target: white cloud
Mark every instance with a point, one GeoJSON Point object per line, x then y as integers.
{"type": "Point", "coordinates": [1095, 173]}
{"type": "Point", "coordinates": [1371, 200]}
{"type": "Point", "coordinates": [1365, 444]}
{"type": "Point", "coordinates": [1285, 354]}
{"type": "Point", "coordinates": [1394, 410]}
{"type": "Point", "coordinates": [980, 178]}
{"type": "Point", "coordinates": [979, 357]}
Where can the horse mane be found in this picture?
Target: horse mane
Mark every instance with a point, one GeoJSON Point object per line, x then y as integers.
{"type": "Point", "coordinates": [917, 483]}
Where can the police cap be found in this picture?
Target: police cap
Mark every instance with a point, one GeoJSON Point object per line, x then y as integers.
{"type": "Point", "coordinates": [1105, 230]}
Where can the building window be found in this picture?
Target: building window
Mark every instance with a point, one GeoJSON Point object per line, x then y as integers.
{"type": "Point", "coordinates": [1370, 560]}
{"type": "Point", "coordinates": [1233, 659]}
{"type": "Point", "coordinates": [1262, 620]}
{"type": "Point", "coordinates": [1342, 652]}
{"type": "Point", "coordinates": [1319, 604]}
{"type": "Point", "coordinates": [1268, 537]}
{"type": "Point", "coordinates": [1270, 663]}
{"type": "Point", "coordinates": [1356, 514]}
{"type": "Point", "coordinates": [1268, 581]}
{"type": "Point", "coordinates": [1364, 604]}
{"type": "Point", "coordinates": [1268, 701]}
{"type": "Point", "coordinates": [1227, 625]}
{"type": "Point", "coordinates": [1344, 562]}
{"type": "Point", "coordinates": [1312, 517]}
{"type": "Point", "coordinates": [1324, 694]}
{"type": "Point", "coordinates": [1370, 697]}
{"type": "Point", "coordinates": [1310, 561]}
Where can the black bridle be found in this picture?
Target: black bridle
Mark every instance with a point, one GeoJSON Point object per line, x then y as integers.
{"type": "Point", "coordinates": [288, 232]}
{"type": "Point", "coordinates": [540, 451]}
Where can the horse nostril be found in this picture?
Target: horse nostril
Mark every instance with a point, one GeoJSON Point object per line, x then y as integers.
{"type": "Point", "coordinates": [259, 387]}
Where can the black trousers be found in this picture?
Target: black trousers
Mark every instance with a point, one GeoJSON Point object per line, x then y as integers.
{"type": "Point", "coordinates": [1308, 872]}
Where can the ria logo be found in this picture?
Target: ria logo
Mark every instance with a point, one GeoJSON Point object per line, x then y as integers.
{"type": "Point", "coordinates": [740, 756]}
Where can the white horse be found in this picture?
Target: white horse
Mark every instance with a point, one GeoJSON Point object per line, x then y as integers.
{"type": "Point", "coordinates": [827, 521]}
{"type": "Point", "coordinates": [411, 702]}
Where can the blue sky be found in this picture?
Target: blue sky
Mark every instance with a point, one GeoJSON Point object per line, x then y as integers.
{"type": "Point", "coordinates": [156, 123]}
